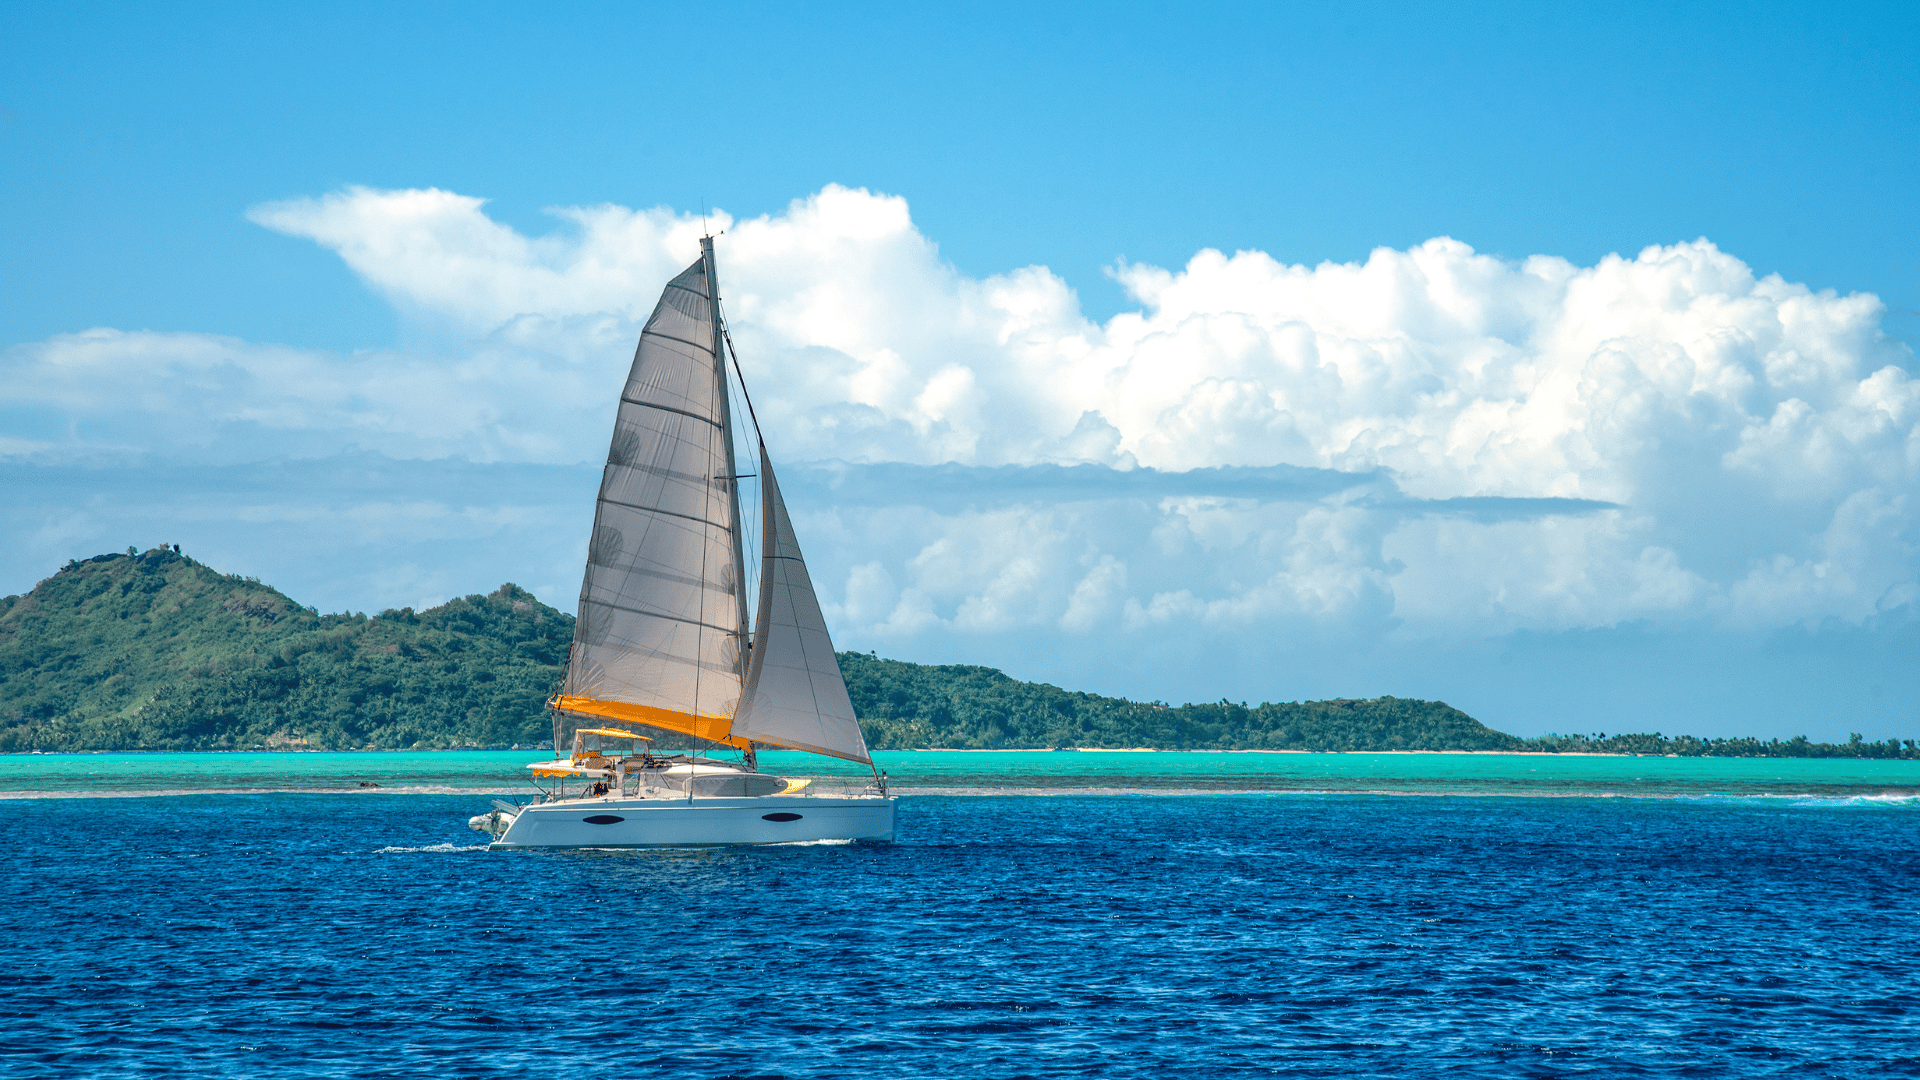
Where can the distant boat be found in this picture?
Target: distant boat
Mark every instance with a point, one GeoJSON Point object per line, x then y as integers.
{"type": "Point", "coordinates": [662, 645]}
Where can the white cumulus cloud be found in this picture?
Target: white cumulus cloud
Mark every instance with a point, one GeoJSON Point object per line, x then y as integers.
{"type": "Point", "coordinates": [1758, 441]}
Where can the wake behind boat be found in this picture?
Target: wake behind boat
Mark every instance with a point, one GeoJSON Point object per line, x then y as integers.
{"type": "Point", "coordinates": [662, 645]}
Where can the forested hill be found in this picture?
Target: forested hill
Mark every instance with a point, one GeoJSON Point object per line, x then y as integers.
{"type": "Point", "coordinates": [155, 651]}
{"type": "Point", "coordinates": [905, 705]}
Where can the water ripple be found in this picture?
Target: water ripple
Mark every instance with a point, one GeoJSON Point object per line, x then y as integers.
{"type": "Point", "coordinates": [1109, 936]}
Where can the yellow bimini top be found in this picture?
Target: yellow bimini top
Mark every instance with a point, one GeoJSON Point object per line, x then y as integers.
{"type": "Point", "coordinates": [614, 732]}
{"type": "Point", "coordinates": [572, 767]}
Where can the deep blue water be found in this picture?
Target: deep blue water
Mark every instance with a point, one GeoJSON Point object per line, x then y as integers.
{"type": "Point", "coordinates": [1115, 936]}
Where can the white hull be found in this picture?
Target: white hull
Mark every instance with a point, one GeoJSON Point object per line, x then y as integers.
{"type": "Point", "coordinates": [614, 822]}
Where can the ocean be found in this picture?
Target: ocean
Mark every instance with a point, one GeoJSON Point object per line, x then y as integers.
{"type": "Point", "coordinates": [1041, 914]}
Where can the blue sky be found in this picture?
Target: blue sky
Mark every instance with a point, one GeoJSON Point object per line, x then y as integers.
{"type": "Point", "coordinates": [232, 178]}
{"type": "Point", "coordinates": [1022, 133]}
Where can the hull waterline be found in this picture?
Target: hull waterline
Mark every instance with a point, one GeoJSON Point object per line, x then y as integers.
{"type": "Point", "coordinates": [636, 823]}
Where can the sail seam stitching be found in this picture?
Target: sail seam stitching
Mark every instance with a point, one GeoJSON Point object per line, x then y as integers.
{"type": "Point", "coordinates": [671, 474]}
{"type": "Point", "coordinates": [658, 510]}
{"type": "Point", "coordinates": [708, 349]}
{"type": "Point", "coordinates": [661, 615]}
{"type": "Point", "coordinates": [667, 408]}
{"type": "Point", "coordinates": [664, 575]}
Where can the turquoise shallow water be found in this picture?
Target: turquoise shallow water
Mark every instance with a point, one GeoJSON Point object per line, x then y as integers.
{"type": "Point", "coordinates": [948, 772]}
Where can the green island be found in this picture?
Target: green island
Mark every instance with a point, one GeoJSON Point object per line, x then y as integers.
{"type": "Point", "coordinates": [156, 651]}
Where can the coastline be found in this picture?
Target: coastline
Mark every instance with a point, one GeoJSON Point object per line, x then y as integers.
{"type": "Point", "coordinates": [906, 750]}
{"type": "Point", "coordinates": [1157, 750]}
{"type": "Point", "coordinates": [1130, 772]}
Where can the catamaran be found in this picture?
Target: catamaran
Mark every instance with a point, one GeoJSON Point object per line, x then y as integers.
{"type": "Point", "coordinates": [662, 645]}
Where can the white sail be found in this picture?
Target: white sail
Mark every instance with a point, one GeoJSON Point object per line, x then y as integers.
{"type": "Point", "coordinates": [795, 695]}
{"type": "Point", "coordinates": [661, 637]}
{"type": "Point", "coordinates": [662, 608]}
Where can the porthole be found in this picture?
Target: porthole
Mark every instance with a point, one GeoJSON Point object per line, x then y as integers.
{"type": "Point", "coordinates": [603, 819]}
{"type": "Point", "coordinates": [783, 816]}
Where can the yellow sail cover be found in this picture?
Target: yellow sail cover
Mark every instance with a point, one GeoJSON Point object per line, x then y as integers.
{"type": "Point", "coordinates": [710, 728]}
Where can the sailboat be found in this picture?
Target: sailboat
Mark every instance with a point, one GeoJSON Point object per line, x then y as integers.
{"type": "Point", "coordinates": [662, 645]}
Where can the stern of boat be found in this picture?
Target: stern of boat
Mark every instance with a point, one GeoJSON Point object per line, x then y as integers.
{"type": "Point", "coordinates": [497, 821]}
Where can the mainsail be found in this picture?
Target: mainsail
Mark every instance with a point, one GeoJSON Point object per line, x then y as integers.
{"type": "Point", "coordinates": [662, 617]}
{"type": "Point", "coordinates": [795, 694]}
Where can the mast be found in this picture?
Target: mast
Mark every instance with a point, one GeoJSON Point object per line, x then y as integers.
{"type": "Point", "coordinates": [733, 471]}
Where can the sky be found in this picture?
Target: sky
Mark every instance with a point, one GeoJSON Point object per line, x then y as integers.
{"type": "Point", "coordinates": [1556, 363]}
